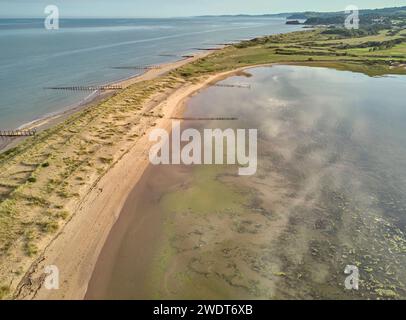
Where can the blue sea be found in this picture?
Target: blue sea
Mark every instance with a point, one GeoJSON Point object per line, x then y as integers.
{"type": "Point", "coordinates": [83, 52]}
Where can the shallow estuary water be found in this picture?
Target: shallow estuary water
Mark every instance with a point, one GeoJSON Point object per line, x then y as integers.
{"type": "Point", "coordinates": [330, 191]}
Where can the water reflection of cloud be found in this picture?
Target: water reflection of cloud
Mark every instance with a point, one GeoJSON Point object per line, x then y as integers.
{"type": "Point", "coordinates": [277, 103]}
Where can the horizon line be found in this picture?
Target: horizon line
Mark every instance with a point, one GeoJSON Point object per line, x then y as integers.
{"type": "Point", "coordinates": [195, 16]}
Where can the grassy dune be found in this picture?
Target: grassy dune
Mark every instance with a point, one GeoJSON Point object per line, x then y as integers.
{"type": "Point", "coordinates": [44, 179]}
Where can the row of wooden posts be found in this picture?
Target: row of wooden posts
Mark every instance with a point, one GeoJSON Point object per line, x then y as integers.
{"type": "Point", "coordinates": [18, 133]}
{"type": "Point", "coordinates": [116, 87]}
{"type": "Point", "coordinates": [112, 87]}
{"type": "Point", "coordinates": [237, 85]}
{"type": "Point", "coordinates": [32, 132]}
{"type": "Point", "coordinates": [204, 118]}
{"type": "Point", "coordinates": [87, 88]}
{"type": "Point", "coordinates": [138, 67]}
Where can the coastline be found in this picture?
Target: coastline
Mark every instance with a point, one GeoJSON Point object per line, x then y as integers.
{"type": "Point", "coordinates": [49, 120]}
{"type": "Point", "coordinates": [55, 118]}
{"type": "Point", "coordinates": [78, 245]}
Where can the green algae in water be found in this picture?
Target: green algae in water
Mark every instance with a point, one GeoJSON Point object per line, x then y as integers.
{"type": "Point", "coordinates": [206, 194]}
{"type": "Point", "coordinates": [206, 198]}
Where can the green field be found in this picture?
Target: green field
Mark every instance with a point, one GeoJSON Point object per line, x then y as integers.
{"type": "Point", "coordinates": [311, 48]}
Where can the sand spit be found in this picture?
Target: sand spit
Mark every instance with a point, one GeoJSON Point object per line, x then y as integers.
{"type": "Point", "coordinates": [75, 249]}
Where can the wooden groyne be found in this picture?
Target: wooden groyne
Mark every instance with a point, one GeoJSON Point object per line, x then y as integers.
{"type": "Point", "coordinates": [242, 86]}
{"type": "Point", "coordinates": [221, 44]}
{"type": "Point", "coordinates": [207, 49]}
{"type": "Point", "coordinates": [204, 118]}
{"type": "Point", "coordinates": [18, 133]}
{"type": "Point", "coordinates": [86, 88]}
{"type": "Point", "coordinates": [177, 56]}
{"type": "Point", "coordinates": [138, 67]}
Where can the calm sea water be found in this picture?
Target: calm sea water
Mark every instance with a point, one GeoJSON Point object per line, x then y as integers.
{"type": "Point", "coordinates": [82, 52]}
{"type": "Point", "coordinates": [330, 191]}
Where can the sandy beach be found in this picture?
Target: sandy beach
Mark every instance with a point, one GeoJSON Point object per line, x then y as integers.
{"type": "Point", "coordinates": [75, 249]}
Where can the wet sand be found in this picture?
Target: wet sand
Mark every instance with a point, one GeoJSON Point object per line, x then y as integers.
{"type": "Point", "coordinates": [146, 226]}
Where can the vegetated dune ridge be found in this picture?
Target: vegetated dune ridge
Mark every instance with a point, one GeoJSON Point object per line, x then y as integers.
{"type": "Point", "coordinates": [62, 191]}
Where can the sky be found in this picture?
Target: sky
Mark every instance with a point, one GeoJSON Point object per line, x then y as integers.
{"type": "Point", "coordinates": [177, 8]}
